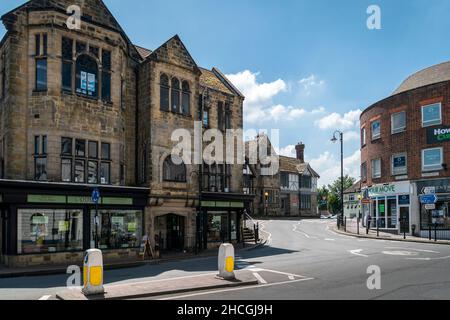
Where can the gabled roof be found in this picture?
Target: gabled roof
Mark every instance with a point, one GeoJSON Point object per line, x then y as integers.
{"type": "Point", "coordinates": [227, 82]}
{"type": "Point", "coordinates": [143, 52]}
{"type": "Point", "coordinates": [356, 188]}
{"type": "Point", "coordinates": [163, 52]}
{"type": "Point", "coordinates": [94, 11]}
{"type": "Point", "coordinates": [209, 79]}
{"type": "Point", "coordinates": [294, 165]}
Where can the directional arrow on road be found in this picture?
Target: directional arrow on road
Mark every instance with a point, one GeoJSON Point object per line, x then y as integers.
{"type": "Point", "coordinates": [358, 253]}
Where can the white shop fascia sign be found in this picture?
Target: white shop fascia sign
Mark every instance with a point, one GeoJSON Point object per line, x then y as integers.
{"type": "Point", "coordinates": [389, 189]}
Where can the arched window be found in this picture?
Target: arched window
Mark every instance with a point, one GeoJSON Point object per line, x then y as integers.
{"type": "Point", "coordinates": [164, 92]}
{"type": "Point", "coordinates": [175, 95]}
{"type": "Point", "coordinates": [87, 76]}
{"type": "Point", "coordinates": [173, 172]}
{"type": "Point", "coordinates": [186, 100]}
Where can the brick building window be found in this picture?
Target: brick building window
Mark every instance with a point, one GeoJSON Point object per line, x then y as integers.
{"type": "Point", "coordinates": [376, 130]}
{"type": "Point", "coordinates": [186, 99]}
{"type": "Point", "coordinates": [164, 92]}
{"type": "Point", "coordinates": [432, 115]}
{"type": "Point", "coordinates": [174, 172]}
{"type": "Point", "coordinates": [376, 168]}
{"type": "Point", "coordinates": [41, 62]}
{"type": "Point", "coordinates": [363, 137]}
{"type": "Point", "coordinates": [67, 64]}
{"type": "Point", "coordinates": [40, 158]}
{"type": "Point", "coordinates": [398, 122]}
{"type": "Point", "coordinates": [86, 76]}
{"type": "Point", "coordinates": [175, 95]}
{"type": "Point", "coordinates": [399, 164]}
{"type": "Point", "coordinates": [106, 75]}
{"type": "Point", "coordinates": [364, 172]}
{"type": "Point", "coordinates": [432, 159]}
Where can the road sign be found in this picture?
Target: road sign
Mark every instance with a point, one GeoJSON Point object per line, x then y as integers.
{"type": "Point", "coordinates": [430, 207]}
{"type": "Point", "coordinates": [366, 201]}
{"type": "Point", "coordinates": [95, 195]}
{"type": "Point", "coordinates": [428, 199]}
{"type": "Point", "coordinates": [429, 190]}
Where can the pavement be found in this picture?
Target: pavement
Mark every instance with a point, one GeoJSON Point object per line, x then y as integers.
{"type": "Point", "coordinates": [301, 260]}
{"type": "Point", "coordinates": [163, 287]}
{"type": "Point", "coordinates": [62, 269]}
{"type": "Point", "coordinates": [352, 229]}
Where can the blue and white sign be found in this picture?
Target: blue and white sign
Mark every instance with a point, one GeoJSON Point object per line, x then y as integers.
{"type": "Point", "coordinates": [428, 199]}
{"type": "Point", "coordinates": [96, 196]}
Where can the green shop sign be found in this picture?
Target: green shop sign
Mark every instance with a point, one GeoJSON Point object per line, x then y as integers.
{"type": "Point", "coordinates": [437, 135]}
{"type": "Point", "coordinates": [382, 189]}
{"type": "Point", "coordinates": [222, 204]}
{"type": "Point", "coordinates": [34, 198]}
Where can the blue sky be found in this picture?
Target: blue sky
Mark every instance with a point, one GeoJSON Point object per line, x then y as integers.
{"type": "Point", "coordinates": [306, 66]}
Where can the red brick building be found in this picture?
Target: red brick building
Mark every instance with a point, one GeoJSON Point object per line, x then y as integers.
{"type": "Point", "coordinates": [405, 152]}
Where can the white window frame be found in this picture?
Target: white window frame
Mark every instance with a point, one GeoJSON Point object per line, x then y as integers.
{"type": "Point", "coordinates": [364, 136]}
{"type": "Point", "coordinates": [397, 130]}
{"type": "Point", "coordinates": [434, 122]}
{"type": "Point", "coordinates": [371, 130]}
{"type": "Point", "coordinates": [374, 176]}
{"type": "Point", "coordinates": [429, 168]}
{"type": "Point", "coordinates": [403, 172]}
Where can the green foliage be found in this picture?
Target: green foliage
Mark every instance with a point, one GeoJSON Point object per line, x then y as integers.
{"type": "Point", "coordinates": [332, 194]}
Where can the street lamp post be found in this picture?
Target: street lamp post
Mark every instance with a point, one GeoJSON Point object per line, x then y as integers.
{"type": "Point", "coordinates": [334, 140]}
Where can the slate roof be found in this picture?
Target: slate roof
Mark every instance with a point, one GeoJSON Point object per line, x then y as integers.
{"type": "Point", "coordinates": [288, 164]}
{"type": "Point", "coordinates": [434, 74]}
{"type": "Point", "coordinates": [356, 188]}
{"type": "Point", "coordinates": [209, 79]}
{"type": "Point", "coordinates": [143, 52]}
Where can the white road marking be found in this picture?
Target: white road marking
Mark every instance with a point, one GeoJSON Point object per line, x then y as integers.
{"type": "Point", "coordinates": [291, 278]}
{"type": "Point", "coordinates": [259, 278]}
{"type": "Point", "coordinates": [400, 253]}
{"type": "Point", "coordinates": [358, 253]}
{"type": "Point", "coordinates": [43, 298]}
{"type": "Point", "coordinates": [429, 259]}
{"type": "Point", "coordinates": [418, 250]}
{"type": "Point", "coordinates": [330, 239]}
{"type": "Point", "coordinates": [237, 289]}
{"type": "Point", "coordinates": [279, 272]}
{"type": "Point", "coordinates": [301, 232]}
{"type": "Point", "coordinates": [160, 280]}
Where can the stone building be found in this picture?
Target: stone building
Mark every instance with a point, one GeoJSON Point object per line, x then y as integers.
{"type": "Point", "coordinates": [352, 201]}
{"type": "Point", "coordinates": [82, 108]}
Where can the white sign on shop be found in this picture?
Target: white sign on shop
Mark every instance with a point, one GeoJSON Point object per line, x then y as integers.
{"type": "Point", "coordinates": [389, 189]}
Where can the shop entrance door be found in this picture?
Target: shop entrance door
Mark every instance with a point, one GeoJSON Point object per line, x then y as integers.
{"type": "Point", "coordinates": [175, 232]}
{"type": "Point", "coordinates": [404, 220]}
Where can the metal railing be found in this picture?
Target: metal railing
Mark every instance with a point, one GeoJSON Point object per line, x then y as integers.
{"type": "Point", "coordinates": [250, 224]}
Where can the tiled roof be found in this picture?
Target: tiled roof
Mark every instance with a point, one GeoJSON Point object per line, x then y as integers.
{"type": "Point", "coordinates": [210, 80]}
{"type": "Point", "coordinates": [288, 164]}
{"type": "Point", "coordinates": [143, 52]}
{"type": "Point", "coordinates": [425, 77]}
{"type": "Point", "coordinates": [356, 188]}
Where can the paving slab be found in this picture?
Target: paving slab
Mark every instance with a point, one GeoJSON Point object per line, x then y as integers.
{"type": "Point", "coordinates": [162, 287]}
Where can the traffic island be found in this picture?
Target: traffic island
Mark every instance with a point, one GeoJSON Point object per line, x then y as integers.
{"type": "Point", "coordinates": [162, 287]}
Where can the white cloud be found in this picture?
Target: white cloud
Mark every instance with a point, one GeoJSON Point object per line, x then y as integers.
{"type": "Point", "coordinates": [258, 104]}
{"type": "Point", "coordinates": [311, 83]}
{"type": "Point", "coordinates": [288, 151]}
{"type": "Point", "coordinates": [256, 93]}
{"type": "Point", "coordinates": [328, 166]}
{"type": "Point", "coordinates": [351, 136]}
{"type": "Point", "coordinates": [337, 121]}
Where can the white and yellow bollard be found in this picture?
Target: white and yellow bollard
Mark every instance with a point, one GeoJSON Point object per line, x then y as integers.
{"type": "Point", "coordinates": [93, 273]}
{"type": "Point", "coordinates": [226, 261]}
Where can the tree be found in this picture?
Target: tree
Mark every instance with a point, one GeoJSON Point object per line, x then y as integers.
{"type": "Point", "coordinates": [322, 198]}
{"type": "Point", "coordinates": [334, 198]}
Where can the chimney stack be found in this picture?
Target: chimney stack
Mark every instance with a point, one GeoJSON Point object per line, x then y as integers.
{"type": "Point", "coordinates": [300, 148]}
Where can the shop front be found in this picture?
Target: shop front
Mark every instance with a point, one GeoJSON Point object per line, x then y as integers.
{"type": "Point", "coordinates": [435, 215]}
{"type": "Point", "coordinates": [389, 206]}
{"type": "Point", "coordinates": [220, 219]}
{"type": "Point", "coordinates": [45, 223]}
